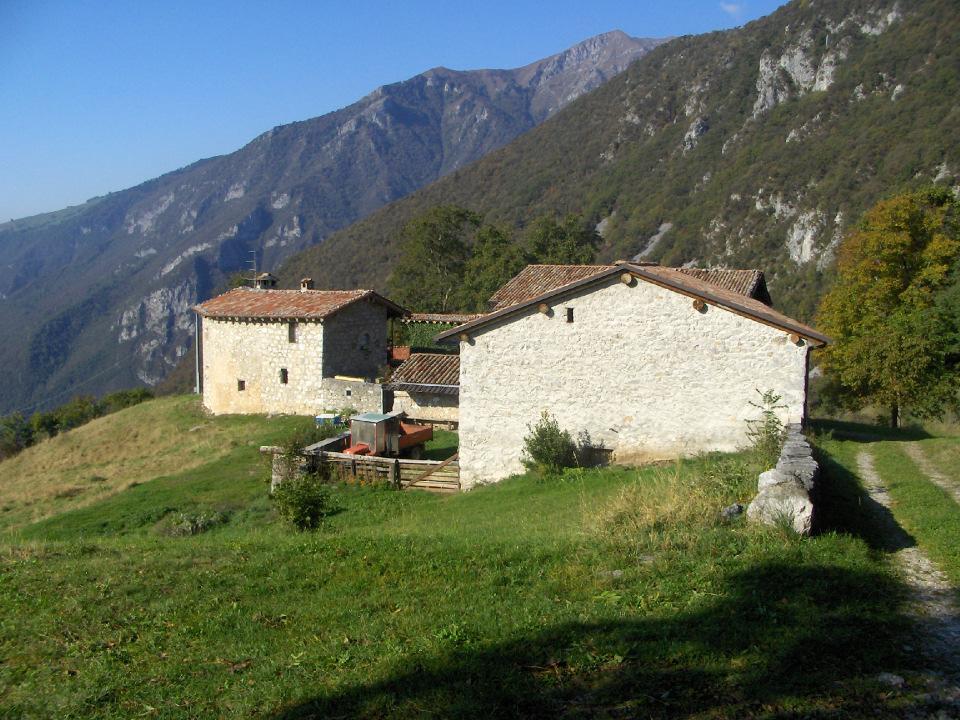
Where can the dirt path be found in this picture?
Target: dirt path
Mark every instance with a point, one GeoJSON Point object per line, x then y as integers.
{"type": "Point", "coordinates": [950, 485]}
{"type": "Point", "coordinates": [934, 599]}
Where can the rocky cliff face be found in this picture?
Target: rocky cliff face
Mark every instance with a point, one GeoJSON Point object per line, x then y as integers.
{"type": "Point", "coordinates": [98, 296]}
{"type": "Point", "coordinates": [756, 147]}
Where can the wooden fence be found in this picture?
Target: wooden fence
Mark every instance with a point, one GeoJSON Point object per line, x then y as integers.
{"type": "Point", "coordinates": [434, 475]}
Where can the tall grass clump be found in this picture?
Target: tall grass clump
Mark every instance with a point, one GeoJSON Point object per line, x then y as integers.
{"type": "Point", "coordinates": [668, 507]}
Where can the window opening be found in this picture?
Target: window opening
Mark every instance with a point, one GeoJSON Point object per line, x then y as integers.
{"type": "Point", "coordinates": [570, 315]}
{"type": "Point", "coordinates": [241, 385]}
{"type": "Point", "coordinates": [283, 376]}
{"type": "Point", "coordinates": [291, 332]}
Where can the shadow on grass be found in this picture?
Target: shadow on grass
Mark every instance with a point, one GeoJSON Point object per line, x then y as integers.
{"type": "Point", "coordinates": [784, 640]}
{"type": "Point", "coordinates": [863, 432]}
{"type": "Point", "coordinates": [843, 506]}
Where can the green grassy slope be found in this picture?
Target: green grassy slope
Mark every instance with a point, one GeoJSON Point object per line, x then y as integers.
{"type": "Point", "coordinates": [613, 592]}
{"type": "Point", "coordinates": [89, 464]}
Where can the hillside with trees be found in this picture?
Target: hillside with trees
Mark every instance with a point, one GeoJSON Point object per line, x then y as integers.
{"type": "Point", "coordinates": [755, 147]}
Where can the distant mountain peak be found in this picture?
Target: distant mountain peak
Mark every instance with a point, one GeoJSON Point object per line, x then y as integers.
{"type": "Point", "coordinates": [111, 283]}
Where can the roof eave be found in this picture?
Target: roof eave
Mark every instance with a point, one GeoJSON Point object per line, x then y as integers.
{"type": "Point", "coordinates": [817, 339]}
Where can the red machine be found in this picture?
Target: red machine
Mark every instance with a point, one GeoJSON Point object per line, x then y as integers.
{"type": "Point", "coordinates": [387, 436]}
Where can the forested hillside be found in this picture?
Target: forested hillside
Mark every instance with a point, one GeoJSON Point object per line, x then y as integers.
{"type": "Point", "coordinates": [756, 147]}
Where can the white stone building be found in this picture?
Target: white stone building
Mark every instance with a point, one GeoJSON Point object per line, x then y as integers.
{"type": "Point", "coordinates": [653, 362]}
{"type": "Point", "coordinates": [297, 352]}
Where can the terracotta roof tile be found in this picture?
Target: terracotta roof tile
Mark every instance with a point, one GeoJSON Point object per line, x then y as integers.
{"type": "Point", "coordinates": [743, 282]}
{"type": "Point", "coordinates": [287, 304]}
{"type": "Point", "coordinates": [455, 318]}
{"type": "Point", "coordinates": [428, 369]}
{"type": "Point", "coordinates": [535, 280]}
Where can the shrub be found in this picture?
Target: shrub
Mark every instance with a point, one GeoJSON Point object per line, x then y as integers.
{"type": "Point", "coordinates": [44, 424]}
{"type": "Point", "coordinates": [547, 448]}
{"type": "Point", "coordinates": [766, 432]}
{"type": "Point", "coordinates": [15, 435]}
{"type": "Point", "coordinates": [304, 500]}
{"type": "Point", "coordinates": [124, 399]}
{"type": "Point", "coordinates": [77, 412]}
{"type": "Point", "coordinates": [186, 524]}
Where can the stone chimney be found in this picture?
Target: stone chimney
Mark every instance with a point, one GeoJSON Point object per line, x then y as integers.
{"type": "Point", "coordinates": [265, 281]}
{"type": "Point", "coordinates": [306, 284]}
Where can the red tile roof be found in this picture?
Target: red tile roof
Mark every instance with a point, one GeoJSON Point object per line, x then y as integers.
{"type": "Point", "coordinates": [535, 280]}
{"type": "Point", "coordinates": [455, 318]}
{"type": "Point", "coordinates": [743, 282]}
{"type": "Point", "coordinates": [671, 278]}
{"type": "Point", "coordinates": [288, 304]}
{"type": "Point", "coordinates": [426, 371]}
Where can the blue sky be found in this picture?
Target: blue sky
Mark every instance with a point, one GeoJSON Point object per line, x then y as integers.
{"type": "Point", "coordinates": [99, 96]}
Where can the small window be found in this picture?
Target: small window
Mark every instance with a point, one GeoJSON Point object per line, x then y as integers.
{"type": "Point", "coordinates": [241, 385]}
{"type": "Point", "coordinates": [365, 341]}
{"type": "Point", "coordinates": [349, 393]}
{"type": "Point", "coordinates": [569, 314]}
{"type": "Point", "coordinates": [283, 376]}
{"type": "Point", "coordinates": [291, 332]}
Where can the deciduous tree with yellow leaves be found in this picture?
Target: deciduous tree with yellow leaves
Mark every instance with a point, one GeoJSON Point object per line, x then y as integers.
{"type": "Point", "coordinates": [894, 334]}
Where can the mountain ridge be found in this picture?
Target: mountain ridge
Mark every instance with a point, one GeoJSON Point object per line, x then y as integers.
{"type": "Point", "coordinates": [110, 283]}
{"type": "Point", "coordinates": [753, 147]}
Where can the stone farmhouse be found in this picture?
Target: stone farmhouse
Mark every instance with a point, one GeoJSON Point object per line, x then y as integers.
{"type": "Point", "coordinates": [264, 350]}
{"type": "Point", "coordinates": [653, 362]}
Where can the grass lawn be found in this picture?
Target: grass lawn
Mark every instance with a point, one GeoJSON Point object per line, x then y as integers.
{"type": "Point", "coordinates": [443, 445]}
{"type": "Point", "coordinates": [611, 593]}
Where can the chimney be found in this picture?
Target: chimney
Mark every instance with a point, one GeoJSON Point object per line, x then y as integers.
{"type": "Point", "coordinates": [265, 281]}
{"type": "Point", "coordinates": [306, 284]}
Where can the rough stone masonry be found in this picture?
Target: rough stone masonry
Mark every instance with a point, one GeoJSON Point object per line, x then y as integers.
{"type": "Point", "coordinates": [786, 492]}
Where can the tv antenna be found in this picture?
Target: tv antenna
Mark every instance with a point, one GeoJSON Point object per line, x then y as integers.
{"type": "Point", "coordinates": [252, 262]}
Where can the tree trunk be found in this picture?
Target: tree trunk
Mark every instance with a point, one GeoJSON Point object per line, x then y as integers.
{"type": "Point", "coordinates": [894, 416]}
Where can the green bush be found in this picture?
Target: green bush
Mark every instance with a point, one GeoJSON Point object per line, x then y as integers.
{"type": "Point", "coordinates": [124, 399]}
{"type": "Point", "coordinates": [304, 500]}
{"type": "Point", "coordinates": [547, 448]}
{"type": "Point", "coordinates": [77, 412]}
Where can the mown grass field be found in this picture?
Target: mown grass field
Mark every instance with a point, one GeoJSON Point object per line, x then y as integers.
{"type": "Point", "coordinates": [605, 593]}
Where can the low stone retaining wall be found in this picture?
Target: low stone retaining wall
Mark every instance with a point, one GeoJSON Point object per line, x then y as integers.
{"type": "Point", "coordinates": [786, 492]}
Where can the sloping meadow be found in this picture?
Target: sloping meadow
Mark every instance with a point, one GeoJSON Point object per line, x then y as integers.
{"type": "Point", "coordinates": [614, 592]}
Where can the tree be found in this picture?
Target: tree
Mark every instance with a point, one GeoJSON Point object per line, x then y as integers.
{"type": "Point", "coordinates": [494, 260]}
{"type": "Point", "coordinates": [891, 317]}
{"type": "Point", "coordinates": [433, 252]}
{"type": "Point", "coordinates": [569, 242]}
{"type": "Point", "coordinates": [15, 435]}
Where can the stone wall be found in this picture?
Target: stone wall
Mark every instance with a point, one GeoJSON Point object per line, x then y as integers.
{"type": "Point", "coordinates": [355, 341]}
{"type": "Point", "coordinates": [255, 352]}
{"type": "Point", "coordinates": [786, 493]}
{"type": "Point", "coordinates": [427, 406]}
{"type": "Point", "coordinates": [352, 342]}
{"type": "Point", "coordinates": [362, 396]}
{"type": "Point", "coordinates": [639, 368]}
